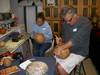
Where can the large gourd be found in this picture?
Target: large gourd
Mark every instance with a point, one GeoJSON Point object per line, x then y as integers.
{"type": "Point", "coordinates": [39, 38]}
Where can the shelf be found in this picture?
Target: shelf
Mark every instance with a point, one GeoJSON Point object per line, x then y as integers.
{"type": "Point", "coordinates": [7, 33]}
{"type": "Point", "coordinates": [13, 46]}
{"type": "Point", "coordinates": [6, 21]}
{"type": "Point", "coordinates": [18, 44]}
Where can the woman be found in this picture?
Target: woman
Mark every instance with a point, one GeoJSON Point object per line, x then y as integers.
{"type": "Point", "coordinates": [43, 28]}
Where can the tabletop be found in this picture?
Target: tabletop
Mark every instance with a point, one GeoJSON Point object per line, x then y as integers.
{"type": "Point", "coordinates": [50, 61]}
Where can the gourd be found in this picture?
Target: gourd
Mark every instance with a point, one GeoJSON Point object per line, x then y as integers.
{"type": "Point", "coordinates": [2, 44]}
{"type": "Point", "coordinates": [39, 38]}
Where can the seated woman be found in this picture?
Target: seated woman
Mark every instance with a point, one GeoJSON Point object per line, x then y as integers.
{"type": "Point", "coordinates": [41, 35]}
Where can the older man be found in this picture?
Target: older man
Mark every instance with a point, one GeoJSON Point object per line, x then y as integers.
{"type": "Point", "coordinates": [75, 37]}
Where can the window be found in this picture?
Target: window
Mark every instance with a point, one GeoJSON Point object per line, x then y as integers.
{"type": "Point", "coordinates": [56, 2]}
{"type": "Point", "coordinates": [66, 2]}
{"type": "Point", "coordinates": [75, 2]}
{"type": "Point", "coordinates": [76, 10]}
{"type": "Point", "coordinates": [45, 2]}
{"type": "Point", "coordinates": [47, 12]}
{"type": "Point", "coordinates": [56, 12]}
{"type": "Point", "coordinates": [85, 2]}
{"type": "Point", "coordinates": [48, 22]}
{"type": "Point", "coordinates": [55, 27]}
{"type": "Point", "coordinates": [93, 11]}
{"type": "Point", "coordinates": [93, 2]}
{"type": "Point", "coordinates": [85, 11]}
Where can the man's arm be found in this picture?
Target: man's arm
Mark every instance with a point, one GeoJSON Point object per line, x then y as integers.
{"type": "Point", "coordinates": [63, 45]}
{"type": "Point", "coordinates": [67, 45]}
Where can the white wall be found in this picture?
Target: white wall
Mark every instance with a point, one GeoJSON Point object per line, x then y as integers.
{"type": "Point", "coordinates": [4, 6]}
{"type": "Point", "coordinates": [18, 10]}
{"type": "Point", "coordinates": [30, 17]}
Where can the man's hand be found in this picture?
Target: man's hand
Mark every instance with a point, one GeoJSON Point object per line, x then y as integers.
{"type": "Point", "coordinates": [57, 50]}
{"type": "Point", "coordinates": [60, 52]}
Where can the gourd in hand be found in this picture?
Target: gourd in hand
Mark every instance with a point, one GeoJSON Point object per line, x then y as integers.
{"type": "Point", "coordinates": [39, 37]}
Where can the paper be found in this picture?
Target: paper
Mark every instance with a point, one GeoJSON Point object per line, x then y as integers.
{"type": "Point", "coordinates": [25, 64]}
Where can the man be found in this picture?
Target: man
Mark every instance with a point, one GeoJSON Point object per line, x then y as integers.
{"type": "Point", "coordinates": [41, 27]}
{"type": "Point", "coordinates": [75, 37]}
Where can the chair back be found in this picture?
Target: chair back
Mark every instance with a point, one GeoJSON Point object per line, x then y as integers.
{"type": "Point", "coordinates": [49, 51]}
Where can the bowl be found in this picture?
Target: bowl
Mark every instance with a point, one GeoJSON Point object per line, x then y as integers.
{"type": "Point", "coordinates": [7, 61]}
{"type": "Point", "coordinates": [37, 68]}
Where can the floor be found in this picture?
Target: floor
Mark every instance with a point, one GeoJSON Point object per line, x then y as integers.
{"type": "Point", "coordinates": [89, 68]}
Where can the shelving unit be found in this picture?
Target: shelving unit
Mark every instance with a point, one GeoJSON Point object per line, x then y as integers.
{"type": "Point", "coordinates": [21, 46]}
{"type": "Point", "coordinates": [7, 33]}
{"type": "Point", "coordinates": [16, 45]}
{"type": "Point", "coordinates": [4, 24]}
{"type": "Point", "coordinates": [13, 46]}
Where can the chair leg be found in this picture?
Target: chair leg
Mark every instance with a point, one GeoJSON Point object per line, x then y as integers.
{"type": "Point", "coordinates": [83, 68]}
{"type": "Point", "coordinates": [71, 73]}
{"type": "Point", "coordinates": [80, 69]}
{"type": "Point", "coordinates": [75, 71]}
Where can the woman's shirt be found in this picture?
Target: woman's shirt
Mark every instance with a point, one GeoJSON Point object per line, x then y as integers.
{"type": "Point", "coordinates": [45, 29]}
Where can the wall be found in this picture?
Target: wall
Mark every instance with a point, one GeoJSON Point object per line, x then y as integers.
{"type": "Point", "coordinates": [30, 17]}
{"type": "Point", "coordinates": [4, 6]}
{"type": "Point", "coordinates": [27, 16]}
{"type": "Point", "coordinates": [18, 10]}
